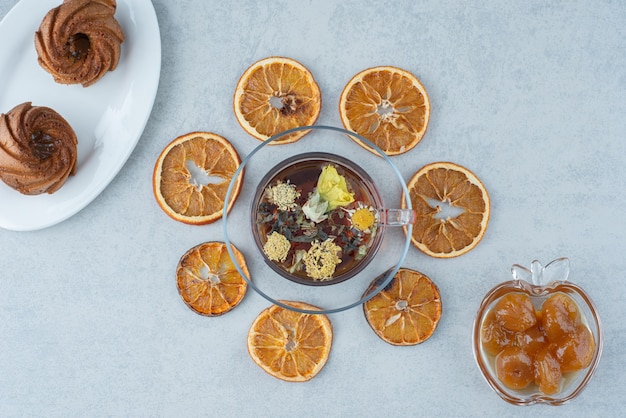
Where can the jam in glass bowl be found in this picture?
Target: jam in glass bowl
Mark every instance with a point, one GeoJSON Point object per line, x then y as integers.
{"type": "Point", "coordinates": [537, 338]}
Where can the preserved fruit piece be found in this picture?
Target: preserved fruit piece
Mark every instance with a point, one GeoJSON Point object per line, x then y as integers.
{"type": "Point", "coordinates": [575, 351]}
{"type": "Point", "coordinates": [532, 340]}
{"type": "Point", "coordinates": [547, 370]}
{"type": "Point", "coordinates": [514, 368]}
{"type": "Point", "coordinates": [516, 312]}
{"type": "Point", "coordinates": [560, 316]}
{"type": "Point", "coordinates": [493, 336]}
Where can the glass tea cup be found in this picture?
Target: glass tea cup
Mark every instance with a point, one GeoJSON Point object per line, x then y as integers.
{"type": "Point", "coordinates": [357, 227]}
{"type": "Point", "coordinates": [360, 225]}
{"type": "Point", "coordinates": [539, 283]}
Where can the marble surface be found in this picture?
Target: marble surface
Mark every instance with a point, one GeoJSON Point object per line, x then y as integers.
{"type": "Point", "coordinates": [528, 95]}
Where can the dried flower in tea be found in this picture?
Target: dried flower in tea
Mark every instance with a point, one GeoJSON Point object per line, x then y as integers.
{"type": "Point", "coordinates": [322, 259]}
{"type": "Point", "coordinates": [315, 208]}
{"type": "Point", "coordinates": [363, 218]}
{"type": "Point", "coordinates": [332, 188]}
{"type": "Point", "coordinates": [277, 247]}
{"type": "Point", "coordinates": [283, 195]}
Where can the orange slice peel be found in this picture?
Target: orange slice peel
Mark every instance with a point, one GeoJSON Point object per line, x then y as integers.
{"type": "Point", "coordinates": [406, 311]}
{"type": "Point", "coordinates": [444, 184]}
{"type": "Point", "coordinates": [208, 281]}
{"type": "Point", "coordinates": [290, 345]}
{"type": "Point", "coordinates": [276, 94]}
{"type": "Point", "coordinates": [388, 106]}
{"type": "Point", "coordinates": [196, 198]}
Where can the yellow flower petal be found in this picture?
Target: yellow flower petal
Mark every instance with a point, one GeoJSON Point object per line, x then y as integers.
{"type": "Point", "coordinates": [363, 219]}
{"type": "Point", "coordinates": [333, 188]}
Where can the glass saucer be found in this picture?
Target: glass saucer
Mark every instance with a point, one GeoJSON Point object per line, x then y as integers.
{"type": "Point", "coordinates": [394, 224]}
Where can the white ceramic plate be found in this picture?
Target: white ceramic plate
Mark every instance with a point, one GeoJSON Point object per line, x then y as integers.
{"type": "Point", "coordinates": [108, 117]}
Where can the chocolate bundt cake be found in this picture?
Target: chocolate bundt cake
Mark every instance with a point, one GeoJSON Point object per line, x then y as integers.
{"type": "Point", "coordinates": [79, 41]}
{"type": "Point", "coordinates": [38, 149]}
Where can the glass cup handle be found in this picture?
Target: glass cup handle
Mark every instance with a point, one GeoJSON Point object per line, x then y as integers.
{"type": "Point", "coordinates": [397, 217]}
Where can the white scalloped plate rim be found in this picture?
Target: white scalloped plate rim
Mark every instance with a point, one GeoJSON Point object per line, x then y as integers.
{"type": "Point", "coordinates": [108, 117]}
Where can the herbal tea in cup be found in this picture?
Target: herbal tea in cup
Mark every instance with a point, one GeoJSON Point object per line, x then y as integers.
{"type": "Point", "coordinates": [318, 218]}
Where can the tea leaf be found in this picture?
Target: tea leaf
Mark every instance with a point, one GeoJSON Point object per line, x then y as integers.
{"type": "Point", "coordinates": [361, 253]}
{"type": "Point", "coordinates": [297, 262]}
{"type": "Point", "coordinates": [304, 238]}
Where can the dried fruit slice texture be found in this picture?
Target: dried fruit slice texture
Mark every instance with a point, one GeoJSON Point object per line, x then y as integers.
{"type": "Point", "coordinates": [290, 345]}
{"type": "Point", "coordinates": [208, 281]}
{"type": "Point", "coordinates": [406, 311]}
{"type": "Point", "coordinates": [191, 177]}
{"type": "Point", "coordinates": [276, 94]}
{"type": "Point", "coordinates": [458, 229]}
{"type": "Point", "coordinates": [388, 106]}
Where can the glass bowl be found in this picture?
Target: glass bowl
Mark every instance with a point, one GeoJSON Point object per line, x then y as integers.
{"type": "Point", "coordinates": [539, 283]}
{"type": "Point", "coordinates": [301, 164]}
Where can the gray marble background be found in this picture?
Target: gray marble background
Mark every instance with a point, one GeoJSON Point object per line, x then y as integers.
{"type": "Point", "coordinates": [528, 95]}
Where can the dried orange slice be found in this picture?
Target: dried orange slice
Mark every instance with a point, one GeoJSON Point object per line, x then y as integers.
{"type": "Point", "coordinates": [290, 345]}
{"type": "Point", "coordinates": [453, 232]}
{"type": "Point", "coordinates": [388, 106]}
{"type": "Point", "coordinates": [208, 281]}
{"type": "Point", "coordinates": [406, 311]}
{"type": "Point", "coordinates": [276, 94]}
{"type": "Point", "coordinates": [191, 177]}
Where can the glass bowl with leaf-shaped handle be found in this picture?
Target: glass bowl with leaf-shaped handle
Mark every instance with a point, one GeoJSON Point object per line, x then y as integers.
{"type": "Point", "coordinates": [538, 338]}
